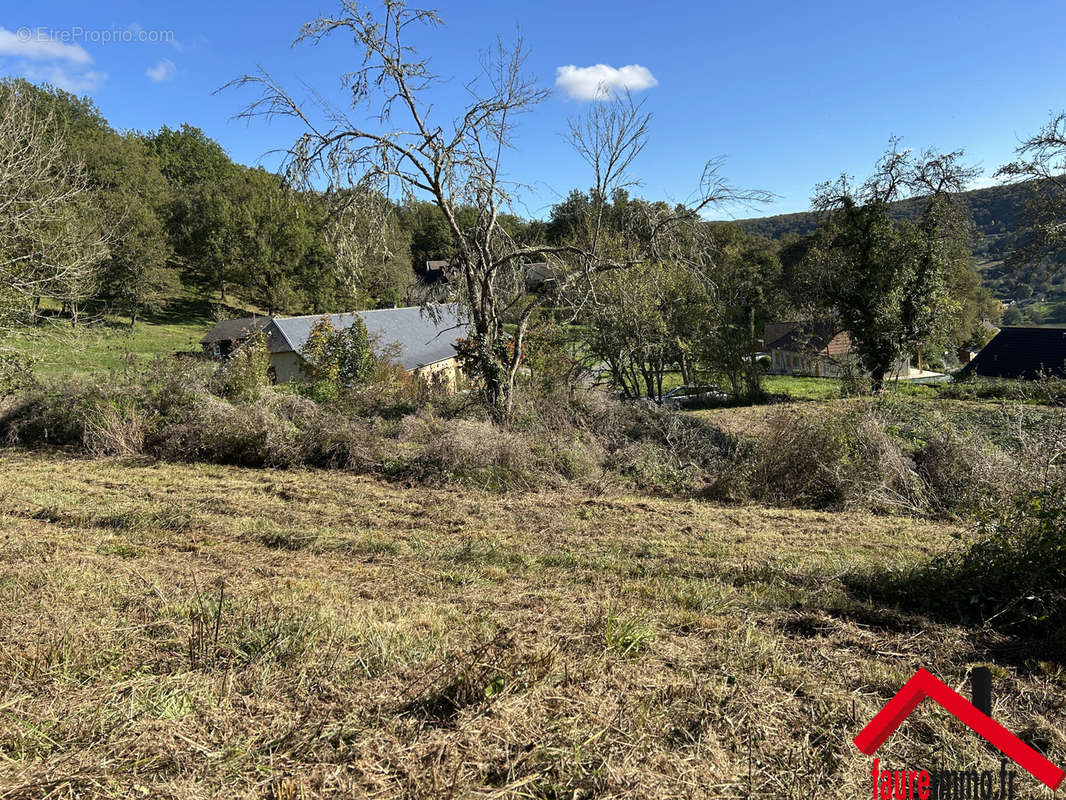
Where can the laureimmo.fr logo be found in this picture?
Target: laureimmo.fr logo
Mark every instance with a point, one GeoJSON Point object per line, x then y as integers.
{"type": "Point", "coordinates": [955, 784]}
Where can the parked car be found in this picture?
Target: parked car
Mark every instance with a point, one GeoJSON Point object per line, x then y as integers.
{"type": "Point", "coordinates": [687, 396]}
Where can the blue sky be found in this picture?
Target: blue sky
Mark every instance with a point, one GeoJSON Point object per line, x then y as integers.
{"type": "Point", "coordinates": [789, 93]}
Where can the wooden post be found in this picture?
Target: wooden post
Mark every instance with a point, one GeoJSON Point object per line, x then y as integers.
{"type": "Point", "coordinates": [981, 683]}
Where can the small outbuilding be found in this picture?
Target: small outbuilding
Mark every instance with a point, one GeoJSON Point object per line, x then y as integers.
{"type": "Point", "coordinates": [229, 334]}
{"type": "Point", "coordinates": [1021, 353]}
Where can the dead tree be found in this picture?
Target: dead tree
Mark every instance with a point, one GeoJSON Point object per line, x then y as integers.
{"type": "Point", "coordinates": [397, 146]}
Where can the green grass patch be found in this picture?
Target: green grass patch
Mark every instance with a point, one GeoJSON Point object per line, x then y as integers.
{"type": "Point", "coordinates": [105, 342]}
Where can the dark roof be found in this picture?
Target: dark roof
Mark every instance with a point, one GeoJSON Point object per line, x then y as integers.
{"type": "Point", "coordinates": [540, 272]}
{"type": "Point", "coordinates": [420, 339]}
{"type": "Point", "coordinates": [229, 330]}
{"type": "Point", "coordinates": [437, 272]}
{"type": "Point", "coordinates": [1021, 353]}
{"type": "Point", "coordinates": [798, 337]}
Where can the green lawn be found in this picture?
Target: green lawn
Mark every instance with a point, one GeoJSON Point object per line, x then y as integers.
{"type": "Point", "coordinates": [1052, 311]}
{"type": "Point", "coordinates": [104, 342]}
{"type": "Point", "coordinates": [799, 388]}
{"type": "Point", "coordinates": [803, 388]}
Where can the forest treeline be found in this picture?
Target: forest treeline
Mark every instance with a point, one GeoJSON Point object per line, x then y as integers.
{"type": "Point", "coordinates": [169, 211]}
{"type": "Point", "coordinates": [178, 214]}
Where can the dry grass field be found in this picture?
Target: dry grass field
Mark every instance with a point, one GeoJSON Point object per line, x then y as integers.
{"type": "Point", "coordinates": [175, 631]}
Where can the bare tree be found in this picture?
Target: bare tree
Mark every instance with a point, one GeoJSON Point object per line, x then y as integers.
{"type": "Point", "coordinates": [49, 244]}
{"type": "Point", "coordinates": [1042, 163]}
{"type": "Point", "coordinates": [402, 150]}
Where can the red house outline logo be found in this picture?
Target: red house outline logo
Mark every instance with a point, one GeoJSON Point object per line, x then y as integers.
{"type": "Point", "coordinates": [924, 684]}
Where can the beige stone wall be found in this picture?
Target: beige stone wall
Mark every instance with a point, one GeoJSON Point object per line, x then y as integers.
{"type": "Point", "coordinates": [445, 373]}
{"type": "Point", "coordinates": [286, 368]}
{"type": "Point", "coordinates": [784, 362]}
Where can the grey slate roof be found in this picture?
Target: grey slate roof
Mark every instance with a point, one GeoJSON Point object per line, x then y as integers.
{"type": "Point", "coordinates": [1021, 353]}
{"type": "Point", "coordinates": [234, 329]}
{"type": "Point", "coordinates": [420, 339]}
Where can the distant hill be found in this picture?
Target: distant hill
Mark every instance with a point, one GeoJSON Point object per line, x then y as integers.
{"type": "Point", "coordinates": [997, 213]}
{"type": "Point", "coordinates": [999, 218]}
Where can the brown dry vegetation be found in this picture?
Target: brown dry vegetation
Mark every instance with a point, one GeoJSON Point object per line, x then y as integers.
{"type": "Point", "coordinates": [182, 631]}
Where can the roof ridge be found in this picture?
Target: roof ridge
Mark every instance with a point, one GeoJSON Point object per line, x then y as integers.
{"type": "Point", "coordinates": [365, 311]}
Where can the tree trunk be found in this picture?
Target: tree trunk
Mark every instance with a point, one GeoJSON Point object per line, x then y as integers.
{"type": "Point", "coordinates": [877, 379]}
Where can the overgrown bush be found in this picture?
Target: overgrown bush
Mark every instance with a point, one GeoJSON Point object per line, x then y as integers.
{"type": "Point", "coordinates": [115, 429]}
{"type": "Point", "coordinates": [334, 359]}
{"type": "Point", "coordinates": [471, 450]}
{"type": "Point", "coordinates": [245, 373]}
{"type": "Point", "coordinates": [1012, 577]}
{"type": "Point", "coordinates": [830, 458]}
{"type": "Point", "coordinates": [247, 434]}
{"type": "Point", "coordinates": [1047, 391]}
{"type": "Point", "coordinates": [964, 474]}
{"type": "Point", "coordinates": [890, 455]}
{"type": "Point", "coordinates": [662, 450]}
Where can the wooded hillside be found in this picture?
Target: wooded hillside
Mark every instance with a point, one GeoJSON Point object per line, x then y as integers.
{"type": "Point", "coordinates": [1001, 229]}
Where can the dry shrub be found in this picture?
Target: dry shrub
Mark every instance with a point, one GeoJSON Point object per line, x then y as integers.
{"type": "Point", "coordinates": [46, 416]}
{"type": "Point", "coordinates": [826, 459]}
{"type": "Point", "coordinates": [359, 445]}
{"type": "Point", "coordinates": [113, 430]}
{"type": "Point", "coordinates": [565, 430]}
{"type": "Point", "coordinates": [964, 474]}
{"type": "Point", "coordinates": [880, 474]}
{"type": "Point", "coordinates": [662, 450]}
{"type": "Point", "coordinates": [798, 460]}
{"type": "Point", "coordinates": [216, 431]}
{"type": "Point", "coordinates": [872, 454]}
{"type": "Point", "coordinates": [468, 449]}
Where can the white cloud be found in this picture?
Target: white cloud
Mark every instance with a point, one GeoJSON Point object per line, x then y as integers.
{"type": "Point", "coordinates": [46, 58]}
{"type": "Point", "coordinates": [983, 181]}
{"type": "Point", "coordinates": [162, 71]}
{"type": "Point", "coordinates": [36, 45]}
{"type": "Point", "coordinates": [75, 81]}
{"type": "Point", "coordinates": [602, 81]}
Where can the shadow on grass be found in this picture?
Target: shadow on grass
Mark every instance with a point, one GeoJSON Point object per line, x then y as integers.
{"type": "Point", "coordinates": [1010, 581]}
{"type": "Point", "coordinates": [184, 310]}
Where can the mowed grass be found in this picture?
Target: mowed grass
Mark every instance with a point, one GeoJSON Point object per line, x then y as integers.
{"type": "Point", "coordinates": [183, 631]}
